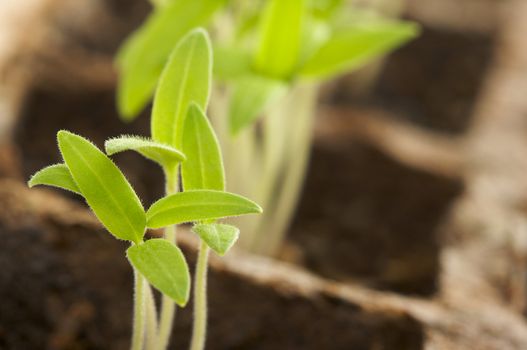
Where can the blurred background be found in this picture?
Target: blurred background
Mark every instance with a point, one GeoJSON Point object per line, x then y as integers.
{"type": "Point", "coordinates": [411, 228]}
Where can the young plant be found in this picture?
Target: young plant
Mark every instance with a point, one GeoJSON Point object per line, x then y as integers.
{"type": "Point", "coordinates": [270, 57]}
{"type": "Point", "coordinates": [178, 122]}
{"type": "Point", "coordinates": [90, 173]}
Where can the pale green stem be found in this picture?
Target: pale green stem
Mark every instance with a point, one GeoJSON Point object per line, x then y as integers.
{"type": "Point", "coordinates": [168, 307]}
{"type": "Point", "coordinates": [199, 330]}
{"type": "Point", "coordinates": [289, 131]}
{"type": "Point", "coordinates": [151, 319]}
{"type": "Point", "coordinates": [139, 312]}
{"type": "Point", "coordinates": [295, 153]}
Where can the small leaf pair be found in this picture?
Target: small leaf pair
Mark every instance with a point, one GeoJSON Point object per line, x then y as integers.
{"type": "Point", "coordinates": [89, 172]}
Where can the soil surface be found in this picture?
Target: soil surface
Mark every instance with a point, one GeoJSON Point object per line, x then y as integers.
{"type": "Point", "coordinates": [70, 288]}
{"type": "Point", "coordinates": [367, 218]}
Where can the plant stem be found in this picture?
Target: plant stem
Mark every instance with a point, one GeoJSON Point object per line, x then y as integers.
{"type": "Point", "coordinates": [139, 312]}
{"type": "Point", "coordinates": [151, 319]}
{"type": "Point", "coordinates": [271, 234]}
{"type": "Point", "coordinates": [168, 307]}
{"type": "Point", "coordinates": [200, 299]}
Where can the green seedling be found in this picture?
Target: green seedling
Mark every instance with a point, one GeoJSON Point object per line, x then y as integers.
{"type": "Point", "coordinates": [90, 173]}
{"type": "Point", "coordinates": [270, 59]}
{"type": "Point", "coordinates": [179, 122]}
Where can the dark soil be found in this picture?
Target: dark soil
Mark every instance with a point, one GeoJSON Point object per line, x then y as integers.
{"type": "Point", "coordinates": [367, 218]}
{"type": "Point", "coordinates": [69, 287]}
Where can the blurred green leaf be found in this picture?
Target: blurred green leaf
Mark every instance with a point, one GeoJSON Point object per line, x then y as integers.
{"type": "Point", "coordinates": [141, 58]}
{"type": "Point", "coordinates": [218, 237]}
{"type": "Point", "coordinates": [165, 155]}
{"type": "Point", "coordinates": [104, 187]}
{"type": "Point", "coordinates": [57, 175]}
{"type": "Point", "coordinates": [164, 266]}
{"type": "Point", "coordinates": [198, 205]}
{"type": "Point", "coordinates": [353, 47]}
{"type": "Point", "coordinates": [185, 79]}
{"type": "Point", "coordinates": [231, 63]}
{"type": "Point", "coordinates": [250, 97]}
{"type": "Point", "coordinates": [204, 168]}
{"type": "Point", "coordinates": [280, 35]}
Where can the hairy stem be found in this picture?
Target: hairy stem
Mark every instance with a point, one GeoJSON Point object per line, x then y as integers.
{"type": "Point", "coordinates": [139, 312]}
{"type": "Point", "coordinates": [200, 300]}
{"type": "Point", "coordinates": [168, 307]}
{"type": "Point", "coordinates": [151, 319]}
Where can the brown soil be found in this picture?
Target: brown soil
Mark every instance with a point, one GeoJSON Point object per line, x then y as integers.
{"type": "Point", "coordinates": [70, 288]}
{"type": "Point", "coordinates": [365, 217]}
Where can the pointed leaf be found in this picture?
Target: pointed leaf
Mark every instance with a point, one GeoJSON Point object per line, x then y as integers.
{"type": "Point", "coordinates": [105, 188]}
{"type": "Point", "coordinates": [57, 175]}
{"type": "Point", "coordinates": [353, 47]}
{"type": "Point", "coordinates": [218, 237]}
{"type": "Point", "coordinates": [142, 57]}
{"type": "Point", "coordinates": [280, 34]}
{"type": "Point", "coordinates": [164, 266]}
{"type": "Point", "coordinates": [251, 96]}
{"type": "Point", "coordinates": [204, 168]}
{"type": "Point", "coordinates": [164, 155]}
{"type": "Point", "coordinates": [198, 205]}
{"type": "Point", "coordinates": [186, 78]}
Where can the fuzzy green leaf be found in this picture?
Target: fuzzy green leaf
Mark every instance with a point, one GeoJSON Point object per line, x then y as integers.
{"type": "Point", "coordinates": [199, 205]}
{"type": "Point", "coordinates": [104, 186]}
{"type": "Point", "coordinates": [141, 58]}
{"type": "Point", "coordinates": [230, 63]}
{"type": "Point", "coordinates": [353, 47]}
{"type": "Point", "coordinates": [250, 97]}
{"type": "Point", "coordinates": [164, 266]}
{"type": "Point", "coordinates": [218, 237]}
{"type": "Point", "coordinates": [185, 79]}
{"type": "Point", "coordinates": [164, 155]}
{"type": "Point", "coordinates": [57, 175]}
{"type": "Point", "coordinates": [280, 36]}
{"type": "Point", "coordinates": [204, 168]}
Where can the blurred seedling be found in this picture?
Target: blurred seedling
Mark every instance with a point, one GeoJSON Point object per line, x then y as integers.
{"type": "Point", "coordinates": [271, 57]}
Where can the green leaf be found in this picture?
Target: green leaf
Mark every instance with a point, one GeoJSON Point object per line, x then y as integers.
{"type": "Point", "coordinates": [218, 237]}
{"type": "Point", "coordinates": [198, 205]}
{"type": "Point", "coordinates": [186, 78]}
{"type": "Point", "coordinates": [250, 97]}
{"type": "Point", "coordinates": [280, 35]}
{"type": "Point", "coordinates": [353, 47]}
{"type": "Point", "coordinates": [57, 175]}
{"type": "Point", "coordinates": [204, 168]}
{"type": "Point", "coordinates": [164, 155]}
{"type": "Point", "coordinates": [142, 57]}
{"type": "Point", "coordinates": [231, 63]}
{"type": "Point", "coordinates": [164, 266]}
{"type": "Point", "coordinates": [105, 188]}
